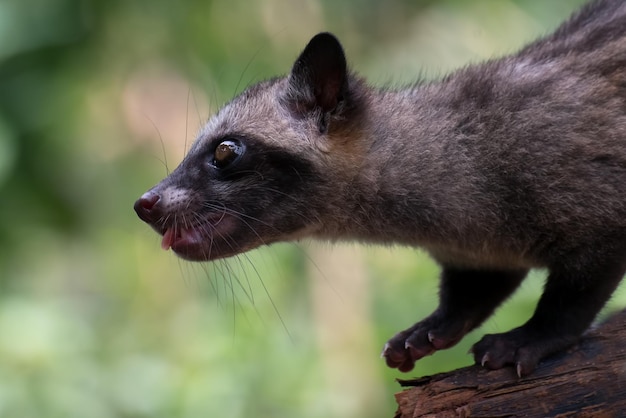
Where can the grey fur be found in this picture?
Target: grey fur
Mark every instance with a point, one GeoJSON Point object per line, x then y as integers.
{"type": "Point", "coordinates": [515, 163]}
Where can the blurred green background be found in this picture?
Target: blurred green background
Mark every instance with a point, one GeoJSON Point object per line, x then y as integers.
{"type": "Point", "coordinates": [98, 99]}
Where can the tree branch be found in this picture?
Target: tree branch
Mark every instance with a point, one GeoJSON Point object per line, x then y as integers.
{"type": "Point", "coordinates": [587, 381]}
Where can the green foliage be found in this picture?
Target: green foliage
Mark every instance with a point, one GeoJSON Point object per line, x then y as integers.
{"type": "Point", "coordinates": [98, 99]}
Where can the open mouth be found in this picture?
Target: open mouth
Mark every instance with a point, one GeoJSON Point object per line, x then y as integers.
{"type": "Point", "coordinates": [176, 237]}
{"type": "Point", "coordinates": [202, 241]}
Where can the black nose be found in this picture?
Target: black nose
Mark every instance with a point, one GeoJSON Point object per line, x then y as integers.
{"type": "Point", "coordinates": [146, 207]}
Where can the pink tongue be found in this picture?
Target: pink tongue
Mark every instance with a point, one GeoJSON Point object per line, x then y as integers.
{"type": "Point", "coordinates": [168, 239]}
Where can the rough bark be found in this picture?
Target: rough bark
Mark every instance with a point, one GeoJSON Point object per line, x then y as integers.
{"type": "Point", "coordinates": [587, 381]}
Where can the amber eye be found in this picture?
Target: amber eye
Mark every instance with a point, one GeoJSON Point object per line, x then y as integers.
{"type": "Point", "coordinates": [226, 152]}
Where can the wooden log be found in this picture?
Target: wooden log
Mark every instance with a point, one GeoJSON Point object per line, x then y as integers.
{"type": "Point", "coordinates": [589, 380]}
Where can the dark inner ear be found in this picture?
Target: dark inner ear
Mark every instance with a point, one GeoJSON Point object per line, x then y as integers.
{"type": "Point", "coordinates": [318, 77]}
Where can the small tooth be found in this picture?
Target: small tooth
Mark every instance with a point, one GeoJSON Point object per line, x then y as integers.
{"type": "Point", "coordinates": [519, 370]}
{"type": "Point", "coordinates": [431, 337]}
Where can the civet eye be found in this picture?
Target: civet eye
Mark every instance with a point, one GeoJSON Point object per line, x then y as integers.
{"type": "Point", "coordinates": [227, 152]}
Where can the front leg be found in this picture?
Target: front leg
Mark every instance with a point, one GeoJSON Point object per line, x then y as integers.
{"type": "Point", "coordinates": [466, 298]}
{"type": "Point", "coordinates": [572, 298]}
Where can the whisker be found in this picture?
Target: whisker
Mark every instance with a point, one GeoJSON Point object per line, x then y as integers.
{"type": "Point", "coordinates": [187, 119]}
{"type": "Point", "coordinates": [241, 216]}
{"type": "Point", "coordinates": [245, 69]}
{"type": "Point", "coordinates": [164, 160]}
{"type": "Point", "coordinates": [275, 308]}
{"type": "Point", "coordinates": [228, 273]}
{"type": "Point", "coordinates": [213, 283]}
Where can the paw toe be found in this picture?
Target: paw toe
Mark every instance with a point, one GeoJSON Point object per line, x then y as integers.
{"type": "Point", "coordinates": [519, 348]}
{"type": "Point", "coordinates": [422, 339]}
{"type": "Point", "coordinates": [417, 351]}
{"type": "Point", "coordinates": [395, 355]}
{"type": "Point", "coordinates": [493, 352]}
